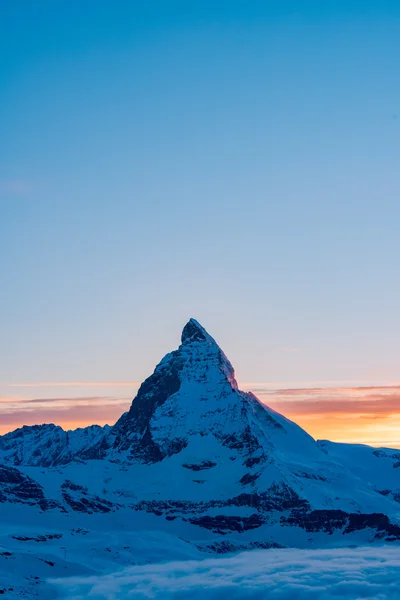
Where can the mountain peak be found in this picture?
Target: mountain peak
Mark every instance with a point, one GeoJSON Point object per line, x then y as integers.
{"type": "Point", "coordinates": [208, 349]}
{"type": "Point", "coordinates": [194, 332]}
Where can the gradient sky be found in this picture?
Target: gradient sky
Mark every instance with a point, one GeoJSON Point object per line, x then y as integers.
{"type": "Point", "coordinates": [233, 161]}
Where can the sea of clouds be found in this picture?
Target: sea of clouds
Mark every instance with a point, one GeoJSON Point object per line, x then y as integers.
{"type": "Point", "coordinates": [287, 574]}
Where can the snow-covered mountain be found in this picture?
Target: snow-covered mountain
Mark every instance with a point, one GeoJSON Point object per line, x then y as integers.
{"type": "Point", "coordinates": [47, 445]}
{"type": "Point", "coordinates": [196, 460]}
{"type": "Point", "coordinates": [380, 467]}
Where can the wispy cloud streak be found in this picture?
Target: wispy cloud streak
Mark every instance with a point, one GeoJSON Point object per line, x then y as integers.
{"type": "Point", "coordinates": [380, 400]}
{"type": "Point", "coordinates": [92, 384]}
{"type": "Point", "coordinates": [362, 414]}
{"type": "Point", "coordinates": [69, 412]}
{"type": "Point", "coordinates": [14, 186]}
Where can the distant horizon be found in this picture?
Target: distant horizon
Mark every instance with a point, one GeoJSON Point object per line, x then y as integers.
{"type": "Point", "coordinates": [312, 423]}
{"type": "Point", "coordinates": [359, 413]}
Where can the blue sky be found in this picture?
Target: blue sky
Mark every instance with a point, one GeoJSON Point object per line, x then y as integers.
{"type": "Point", "coordinates": [233, 161]}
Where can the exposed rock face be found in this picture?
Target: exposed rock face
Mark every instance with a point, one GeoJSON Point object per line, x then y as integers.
{"type": "Point", "coordinates": [329, 521]}
{"type": "Point", "coordinates": [133, 433]}
{"type": "Point", "coordinates": [79, 499]}
{"type": "Point", "coordinates": [15, 487]}
{"type": "Point", "coordinates": [205, 464]}
{"type": "Point", "coordinates": [38, 538]}
{"type": "Point", "coordinates": [262, 506]}
{"type": "Point", "coordinates": [224, 524]}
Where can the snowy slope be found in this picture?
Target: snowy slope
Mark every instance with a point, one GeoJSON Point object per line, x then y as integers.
{"type": "Point", "coordinates": [195, 466]}
{"type": "Point", "coordinates": [379, 466]}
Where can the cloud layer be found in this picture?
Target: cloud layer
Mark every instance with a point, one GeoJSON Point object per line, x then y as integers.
{"type": "Point", "coordinates": [348, 574]}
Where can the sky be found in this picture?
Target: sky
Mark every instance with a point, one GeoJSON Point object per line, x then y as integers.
{"type": "Point", "coordinates": [236, 162]}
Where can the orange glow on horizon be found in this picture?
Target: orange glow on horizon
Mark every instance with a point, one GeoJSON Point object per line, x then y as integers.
{"type": "Point", "coordinates": [363, 414]}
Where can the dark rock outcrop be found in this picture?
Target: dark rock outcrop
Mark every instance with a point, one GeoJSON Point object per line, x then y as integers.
{"type": "Point", "coordinates": [80, 500]}
{"type": "Point", "coordinates": [330, 521]}
{"type": "Point", "coordinates": [224, 524]}
{"type": "Point", "coordinates": [202, 466]}
{"type": "Point", "coordinates": [15, 487]}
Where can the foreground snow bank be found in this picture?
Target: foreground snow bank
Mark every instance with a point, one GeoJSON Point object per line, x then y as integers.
{"type": "Point", "coordinates": [349, 574]}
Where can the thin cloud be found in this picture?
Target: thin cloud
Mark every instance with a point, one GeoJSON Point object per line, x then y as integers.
{"type": "Point", "coordinates": [68, 412]}
{"type": "Point", "coordinates": [329, 390]}
{"type": "Point", "coordinates": [14, 186]}
{"type": "Point", "coordinates": [12, 399]}
{"type": "Point", "coordinates": [75, 384]}
{"type": "Point", "coordinates": [317, 385]}
{"type": "Point", "coordinates": [13, 406]}
{"type": "Point", "coordinates": [75, 400]}
{"type": "Point", "coordinates": [379, 401]}
{"type": "Point", "coordinates": [77, 415]}
{"type": "Point", "coordinates": [361, 414]}
{"type": "Point", "coordinates": [352, 414]}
